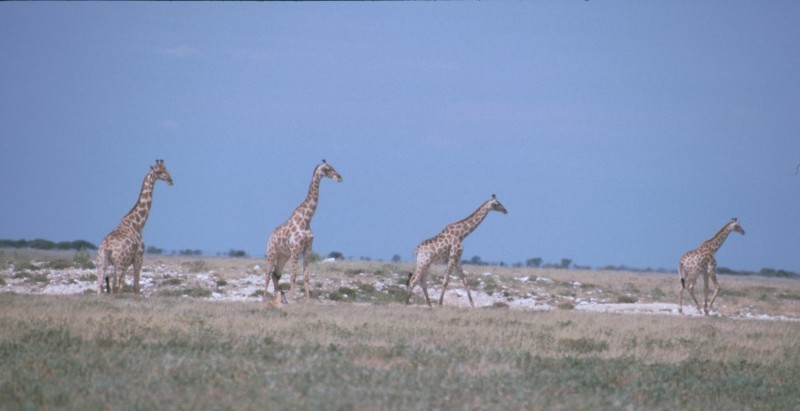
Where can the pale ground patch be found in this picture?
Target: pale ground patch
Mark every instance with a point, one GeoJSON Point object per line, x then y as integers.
{"type": "Point", "coordinates": [225, 279]}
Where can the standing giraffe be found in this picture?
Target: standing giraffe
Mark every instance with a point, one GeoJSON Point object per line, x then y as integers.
{"type": "Point", "coordinates": [446, 247]}
{"type": "Point", "coordinates": [124, 246]}
{"type": "Point", "coordinates": [701, 260]}
{"type": "Point", "coordinates": [294, 237]}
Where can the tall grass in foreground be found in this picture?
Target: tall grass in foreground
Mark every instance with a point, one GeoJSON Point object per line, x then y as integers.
{"type": "Point", "coordinates": [178, 353]}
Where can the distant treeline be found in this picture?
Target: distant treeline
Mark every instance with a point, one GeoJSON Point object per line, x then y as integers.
{"type": "Point", "coordinates": [41, 244]}
{"type": "Point", "coordinates": [765, 272]}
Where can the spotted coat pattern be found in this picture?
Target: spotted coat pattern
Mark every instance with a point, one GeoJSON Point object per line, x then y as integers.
{"type": "Point", "coordinates": [701, 261]}
{"type": "Point", "coordinates": [446, 248]}
{"type": "Point", "coordinates": [124, 246]}
{"type": "Point", "coordinates": [294, 238]}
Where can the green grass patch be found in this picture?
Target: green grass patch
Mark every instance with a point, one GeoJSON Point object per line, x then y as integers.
{"type": "Point", "coordinates": [87, 352]}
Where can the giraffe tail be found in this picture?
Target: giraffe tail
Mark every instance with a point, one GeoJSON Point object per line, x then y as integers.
{"type": "Point", "coordinates": [103, 258]}
{"type": "Point", "coordinates": [683, 279]}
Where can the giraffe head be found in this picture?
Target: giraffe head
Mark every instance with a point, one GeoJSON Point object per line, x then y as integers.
{"type": "Point", "coordinates": [734, 226]}
{"type": "Point", "coordinates": [495, 205]}
{"type": "Point", "coordinates": [327, 170]}
{"type": "Point", "coordinates": [161, 172]}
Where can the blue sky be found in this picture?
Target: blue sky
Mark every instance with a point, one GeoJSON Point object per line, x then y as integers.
{"type": "Point", "coordinates": [613, 132]}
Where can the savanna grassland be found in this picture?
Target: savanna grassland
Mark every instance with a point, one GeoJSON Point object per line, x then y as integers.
{"type": "Point", "coordinates": [356, 347]}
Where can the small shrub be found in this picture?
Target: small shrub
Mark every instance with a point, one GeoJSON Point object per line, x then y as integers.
{"type": "Point", "coordinates": [499, 304]}
{"type": "Point", "coordinates": [82, 259]}
{"type": "Point", "coordinates": [20, 266]}
{"type": "Point", "coordinates": [198, 292]}
{"type": "Point", "coordinates": [39, 278]}
{"type": "Point", "coordinates": [582, 345]}
{"type": "Point", "coordinates": [257, 293]}
{"type": "Point", "coordinates": [367, 288]}
{"type": "Point", "coordinates": [172, 281]}
{"type": "Point", "coordinates": [59, 264]}
{"type": "Point", "coordinates": [88, 277]}
{"type": "Point", "coordinates": [627, 299]}
{"type": "Point", "coordinates": [343, 293]}
{"type": "Point", "coordinates": [196, 266]}
{"type": "Point", "coordinates": [566, 305]}
{"type": "Point", "coordinates": [396, 294]}
{"type": "Point", "coordinates": [33, 277]}
{"type": "Point", "coordinates": [221, 283]}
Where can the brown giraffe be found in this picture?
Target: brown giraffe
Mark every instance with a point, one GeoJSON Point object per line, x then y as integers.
{"type": "Point", "coordinates": [124, 247]}
{"type": "Point", "coordinates": [294, 237]}
{"type": "Point", "coordinates": [446, 247]}
{"type": "Point", "coordinates": [701, 261]}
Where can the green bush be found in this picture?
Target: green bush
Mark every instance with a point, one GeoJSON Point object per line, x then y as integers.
{"type": "Point", "coordinates": [343, 293]}
{"type": "Point", "coordinates": [83, 259]}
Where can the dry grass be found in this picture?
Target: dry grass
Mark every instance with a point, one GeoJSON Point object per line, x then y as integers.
{"type": "Point", "coordinates": [90, 352]}
{"type": "Point", "coordinates": [355, 347]}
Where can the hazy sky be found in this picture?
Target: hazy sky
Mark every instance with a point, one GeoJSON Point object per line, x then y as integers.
{"type": "Point", "coordinates": [614, 132]}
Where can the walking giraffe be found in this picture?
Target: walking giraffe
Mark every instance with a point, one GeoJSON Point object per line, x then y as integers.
{"type": "Point", "coordinates": [701, 260]}
{"type": "Point", "coordinates": [446, 247]}
{"type": "Point", "coordinates": [294, 237]}
{"type": "Point", "coordinates": [124, 246]}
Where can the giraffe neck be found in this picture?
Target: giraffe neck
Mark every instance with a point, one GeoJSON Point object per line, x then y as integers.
{"type": "Point", "coordinates": [466, 226]}
{"type": "Point", "coordinates": [137, 217]}
{"type": "Point", "coordinates": [715, 242]}
{"type": "Point", "coordinates": [305, 211]}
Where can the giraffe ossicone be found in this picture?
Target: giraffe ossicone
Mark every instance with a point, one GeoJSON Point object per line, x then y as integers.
{"type": "Point", "coordinates": [293, 239]}
{"type": "Point", "coordinates": [701, 261]}
{"type": "Point", "coordinates": [446, 247]}
{"type": "Point", "coordinates": [124, 246]}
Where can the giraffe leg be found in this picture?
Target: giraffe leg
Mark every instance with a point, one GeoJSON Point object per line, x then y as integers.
{"type": "Point", "coordinates": [464, 280]}
{"type": "Point", "coordinates": [293, 276]}
{"type": "Point", "coordinates": [119, 278]}
{"type": "Point", "coordinates": [420, 276]}
{"type": "Point", "coordinates": [306, 277]}
{"type": "Point", "coordinates": [269, 275]}
{"type": "Point", "coordinates": [137, 270]}
{"type": "Point", "coordinates": [275, 266]}
{"type": "Point", "coordinates": [423, 282]}
{"type": "Point", "coordinates": [690, 289]}
{"type": "Point", "coordinates": [412, 281]}
{"type": "Point", "coordinates": [101, 271]}
{"type": "Point", "coordinates": [713, 276]}
{"type": "Point", "coordinates": [306, 280]}
{"type": "Point", "coordinates": [705, 293]}
{"type": "Point", "coordinates": [453, 264]}
{"type": "Point", "coordinates": [445, 281]}
{"type": "Point", "coordinates": [683, 286]}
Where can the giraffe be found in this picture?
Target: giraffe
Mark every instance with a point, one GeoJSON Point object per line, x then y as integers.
{"type": "Point", "coordinates": [123, 246]}
{"type": "Point", "coordinates": [446, 247]}
{"type": "Point", "coordinates": [294, 238]}
{"type": "Point", "coordinates": [701, 261]}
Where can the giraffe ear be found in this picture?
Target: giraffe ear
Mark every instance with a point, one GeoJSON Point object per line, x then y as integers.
{"type": "Point", "coordinates": [494, 197]}
{"type": "Point", "coordinates": [323, 160]}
